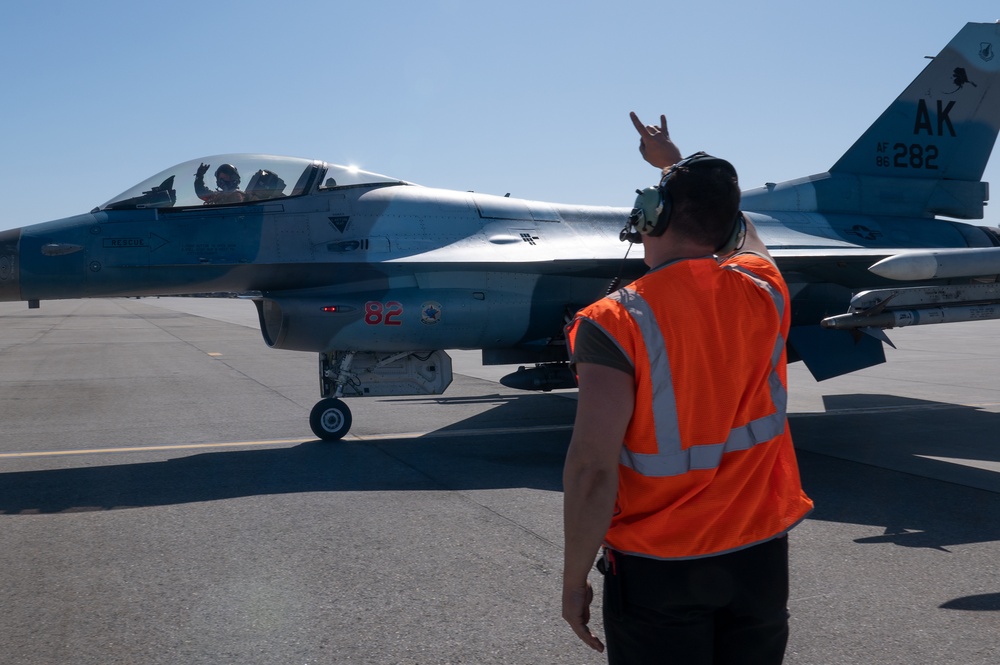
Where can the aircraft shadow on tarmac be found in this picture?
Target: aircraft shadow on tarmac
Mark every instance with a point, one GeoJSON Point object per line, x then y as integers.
{"type": "Point", "coordinates": [986, 602]}
{"type": "Point", "coordinates": [913, 511]}
{"type": "Point", "coordinates": [459, 456]}
{"type": "Point", "coordinates": [913, 505]}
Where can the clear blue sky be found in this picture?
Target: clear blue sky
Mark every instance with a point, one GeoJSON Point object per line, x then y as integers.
{"type": "Point", "coordinates": [530, 98]}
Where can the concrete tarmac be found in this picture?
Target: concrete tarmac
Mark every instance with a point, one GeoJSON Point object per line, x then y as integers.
{"type": "Point", "coordinates": [163, 500]}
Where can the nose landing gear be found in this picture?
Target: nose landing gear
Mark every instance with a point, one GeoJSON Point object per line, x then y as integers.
{"type": "Point", "coordinates": [366, 373]}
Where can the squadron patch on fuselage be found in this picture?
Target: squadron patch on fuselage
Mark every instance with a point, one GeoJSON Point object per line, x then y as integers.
{"type": "Point", "coordinates": [430, 312]}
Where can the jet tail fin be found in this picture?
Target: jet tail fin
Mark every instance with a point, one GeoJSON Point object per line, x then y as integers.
{"type": "Point", "coordinates": [926, 154]}
{"type": "Point", "coordinates": [945, 123]}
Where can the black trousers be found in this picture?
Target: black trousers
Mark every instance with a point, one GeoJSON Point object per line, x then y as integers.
{"type": "Point", "coordinates": [723, 610]}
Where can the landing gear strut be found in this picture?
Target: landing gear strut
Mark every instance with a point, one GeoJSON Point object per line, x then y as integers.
{"type": "Point", "coordinates": [330, 419]}
{"type": "Point", "coordinates": [345, 374]}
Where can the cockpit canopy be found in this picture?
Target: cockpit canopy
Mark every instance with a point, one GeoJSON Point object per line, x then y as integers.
{"type": "Point", "coordinates": [236, 179]}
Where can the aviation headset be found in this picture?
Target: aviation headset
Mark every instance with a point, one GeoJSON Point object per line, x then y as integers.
{"type": "Point", "coordinates": [654, 206]}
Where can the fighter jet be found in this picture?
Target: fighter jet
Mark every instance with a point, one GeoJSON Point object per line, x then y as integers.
{"type": "Point", "coordinates": [379, 276]}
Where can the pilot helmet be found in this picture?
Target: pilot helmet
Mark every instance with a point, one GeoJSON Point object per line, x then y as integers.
{"type": "Point", "coordinates": [227, 177]}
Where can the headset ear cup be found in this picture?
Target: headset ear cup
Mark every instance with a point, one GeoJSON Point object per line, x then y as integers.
{"type": "Point", "coordinates": [663, 219]}
{"type": "Point", "coordinates": [666, 206]}
{"type": "Point", "coordinates": [736, 238]}
{"type": "Point", "coordinates": [644, 217]}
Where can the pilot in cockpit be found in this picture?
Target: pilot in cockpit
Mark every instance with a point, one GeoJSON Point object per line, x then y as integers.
{"type": "Point", "coordinates": [227, 180]}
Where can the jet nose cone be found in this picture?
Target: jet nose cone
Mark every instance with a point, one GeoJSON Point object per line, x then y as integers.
{"type": "Point", "coordinates": [10, 282]}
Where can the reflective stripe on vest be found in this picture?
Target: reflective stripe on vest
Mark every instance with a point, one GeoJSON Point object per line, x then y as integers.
{"type": "Point", "coordinates": [670, 459]}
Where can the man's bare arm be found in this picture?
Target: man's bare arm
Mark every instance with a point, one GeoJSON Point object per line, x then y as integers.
{"type": "Point", "coordinates": [590, 483]}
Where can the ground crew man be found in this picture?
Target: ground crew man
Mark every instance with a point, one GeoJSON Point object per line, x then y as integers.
{"type": "Point", "coordinates": [681, 463]}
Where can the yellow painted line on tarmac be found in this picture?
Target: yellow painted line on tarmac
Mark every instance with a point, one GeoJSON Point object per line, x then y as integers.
{"type": "Point", "coordinates": [149, 449]}
{"type": "Point", "coordinates": [361, 438]}
{"type": "Point", "coordinates": [451, 433]}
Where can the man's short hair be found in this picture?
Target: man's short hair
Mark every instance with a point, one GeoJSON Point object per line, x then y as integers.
{"type": "Point", "coordinates": [706, 200]}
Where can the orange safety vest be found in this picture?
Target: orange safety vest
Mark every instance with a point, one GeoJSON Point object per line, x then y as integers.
{"type": "Point", "coordinates": [707, 464]}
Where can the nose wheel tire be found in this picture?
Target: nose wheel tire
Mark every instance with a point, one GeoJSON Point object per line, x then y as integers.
{"type": "Point", "coordinates": [330, 419]}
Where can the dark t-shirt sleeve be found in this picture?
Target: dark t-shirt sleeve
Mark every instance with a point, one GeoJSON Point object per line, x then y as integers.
{"type": "Point", "coordinates": [593, 345]}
